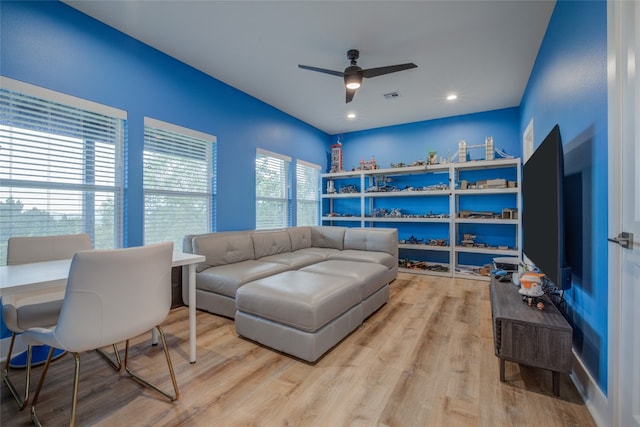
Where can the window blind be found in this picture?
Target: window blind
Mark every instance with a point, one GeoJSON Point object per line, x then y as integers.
{"type": "Point", "coordinates": [307, 193]}
{"type": "Point", "coordinates": [272, 190]}
{"type": "Point", "coordinates": [178, 181]}
{"type": "Point", "coordinates": [61, 166]}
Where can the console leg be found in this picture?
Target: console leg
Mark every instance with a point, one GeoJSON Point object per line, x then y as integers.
{"type": "Point", "coordinates": [555, 381]}
{"type": "Point", "coordinates": [501, 369]}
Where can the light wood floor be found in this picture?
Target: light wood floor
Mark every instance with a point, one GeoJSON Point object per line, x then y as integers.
{"type": "Point", "coordinates": [424, 359]}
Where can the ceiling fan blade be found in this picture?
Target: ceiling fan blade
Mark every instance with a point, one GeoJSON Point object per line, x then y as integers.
{"type": "Point", "coordinates": [322, 70]}
{"type": "Point", "coordinates": [350, 93]}
{"type": "Point", "coordinates": [374, 72]}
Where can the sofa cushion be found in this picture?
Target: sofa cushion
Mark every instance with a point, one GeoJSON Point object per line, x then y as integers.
{"type": "Point", "coordinates": [370, 277]}
{"type": "Point", "coordinates": [321, 252]}
{"type": "Point", "coordinates": [303, 300]}
{"type": "Point", "coordinates": [328, 237]}
{"type": "Point", "coordinates": [295, 260]}
{"type": "Point", "coordinates": [372, 239]}
{"type": "Point", "coordinates": [300, 237]}
{"type": "Point", "coordinates": [223, 248]}
{"type": "Point", "coordinates": [366, 256]}
{"type": "Point", "coordinates": [270, 242]}
{"type": "Point", "coordinates": [226, 279]}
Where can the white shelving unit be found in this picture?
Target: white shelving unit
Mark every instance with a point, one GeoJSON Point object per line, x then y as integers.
{"type": "Point", "coordinates": [428, 201]}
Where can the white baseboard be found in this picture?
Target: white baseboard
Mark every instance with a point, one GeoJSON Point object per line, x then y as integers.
{"type": "Point", "coordinates": [595, 400]}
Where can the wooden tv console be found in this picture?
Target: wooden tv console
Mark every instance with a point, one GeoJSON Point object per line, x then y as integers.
{"type": "Point", "coordinates": [523, 334]}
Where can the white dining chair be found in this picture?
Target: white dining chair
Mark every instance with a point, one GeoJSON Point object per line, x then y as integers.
{"type": "Point", "coordinates": [112, 296]}
{"type": "Point", "coordinates": [38, 308]}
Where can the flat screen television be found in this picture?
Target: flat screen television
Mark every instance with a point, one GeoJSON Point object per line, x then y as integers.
{"type": "Point", "coordinates": [542, 210]}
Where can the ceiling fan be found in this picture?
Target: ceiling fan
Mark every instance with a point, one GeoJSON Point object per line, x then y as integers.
{"type": "Point", "coordinates": [353, 74]}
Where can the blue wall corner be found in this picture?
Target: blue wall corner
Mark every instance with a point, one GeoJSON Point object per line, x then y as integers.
{"type": "Point", "coordinates": [568, 86]}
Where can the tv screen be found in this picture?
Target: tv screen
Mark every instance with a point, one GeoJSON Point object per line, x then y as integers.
{"type": "Point", "coordinates": [542, 210]}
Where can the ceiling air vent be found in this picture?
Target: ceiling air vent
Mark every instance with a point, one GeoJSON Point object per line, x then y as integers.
{"type": "Point", "coordinates": [392, 95]}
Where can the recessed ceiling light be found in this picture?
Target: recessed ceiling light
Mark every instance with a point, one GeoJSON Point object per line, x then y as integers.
{"type": "Point", "coordinates": [351, 115]}
{"type": "Point", "coordinates": [452, 97]}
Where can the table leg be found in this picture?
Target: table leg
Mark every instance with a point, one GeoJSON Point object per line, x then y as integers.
{"type": "Point", "coordinates": [555, 381]}
{"type": "Point", "coordinates": [501, 370]}
{"type": "Point", "coordinates": [192, 313]}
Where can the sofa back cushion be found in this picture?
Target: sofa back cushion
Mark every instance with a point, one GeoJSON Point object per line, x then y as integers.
{"type": "Point", "coordinates": [300, 237]}
{"type": "Point", "coordinates": [271, 242]}
{"type": "Point", "coordinates": [223, 248]}
{"type": "Point", "coordinates": [372, 239]}
{"type": "Point", "coordinates": [328, 237]}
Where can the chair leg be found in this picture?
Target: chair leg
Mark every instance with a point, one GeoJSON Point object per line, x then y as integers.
{"type": "Point", "coordinates": [117, 365]}
{"type": "Point", "coordinates": [21, 401]}
{"type": "Point", "coordinates": [172, 397]}
{"type": "Point", "coordinates": [74, 401]}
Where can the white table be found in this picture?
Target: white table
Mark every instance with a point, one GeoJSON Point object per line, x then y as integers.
{"type": "Point", "coordinates": [41, 275]}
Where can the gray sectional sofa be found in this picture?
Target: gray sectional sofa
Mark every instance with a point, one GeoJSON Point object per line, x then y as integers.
{"type": "Point", "coordinates": [299, 290]}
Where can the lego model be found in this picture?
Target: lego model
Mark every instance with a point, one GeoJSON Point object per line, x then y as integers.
{"type": "Point", "coordinates": [336, 157]}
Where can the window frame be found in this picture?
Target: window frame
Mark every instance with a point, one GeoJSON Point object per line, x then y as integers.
{"type": "Point", "coordinates": [316, 200]}
{"type": "Point", "coordinates": [285, 191]}
{"type": "Point", "coordinates": [199, 141]}
{"type": "Point", "coordinates": [86, 139]}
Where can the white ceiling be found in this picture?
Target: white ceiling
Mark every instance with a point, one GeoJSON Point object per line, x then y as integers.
{"type": "Point", "coordinates": [482, 50]}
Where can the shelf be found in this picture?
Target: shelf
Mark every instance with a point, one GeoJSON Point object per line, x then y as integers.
{"type": "Point", "coordinates": [402, 219]}
{"type": "Point", "coordinates": [411, 170]}
{"type": "Point", "coordinates": [487, 164]}
{"type": "Point", "coordinates": [342, 218]}
{"type": "Point", "coordinates": [425, 272]}
{"type": "Point", "coordinates": [485, 221]}
{"type": "Point", "coordinates": [486, 191]}
{"type": "Point", "coordinates": [341, 196]}
{"type": "Point", "coordinates": [435, 194]}
{"type": "Point", "coordinates": [403, 193]}
{"type": "Point", "coordinates": [424, 247]}
{"type": "Point", "coordinates": [490, 251]}
{"type": "Point", "coordinates": [346, 174]}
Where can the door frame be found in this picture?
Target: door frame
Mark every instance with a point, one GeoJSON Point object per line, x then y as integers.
{"type": "Point", "coordinates": [618, 35]}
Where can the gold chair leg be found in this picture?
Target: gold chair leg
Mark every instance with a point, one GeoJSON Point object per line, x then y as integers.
{"type": "Point", "coordinates": [74, 401]}
{"type": "Point", "coordinates": [117, 365]}
{"type": "Point", "coordinates": [21, 401]}
{"type": "Point", "coordinates": [172, 397]}
{"type": "Point", "coordinates": [34, 417]}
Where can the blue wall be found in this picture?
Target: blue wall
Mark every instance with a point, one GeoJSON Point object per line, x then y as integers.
{"type": "Point", "coordinates": [410, 142]}
{"type": "Point", "coordinates": [568, 86]}
{"type": "Point", "coordinates": [52, 45]}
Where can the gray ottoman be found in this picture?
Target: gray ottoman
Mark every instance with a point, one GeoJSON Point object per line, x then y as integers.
{"type": "Point", "coordinates": [373, 280]}
{"type": "Point", "coordinates": [300, 313]}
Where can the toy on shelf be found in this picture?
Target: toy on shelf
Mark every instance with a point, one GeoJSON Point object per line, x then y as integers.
{"type": "Point", "coordinates": [367, 165]}
{"type": "Point", "coordinates": [336, 157]}
{"type": "Point", "coordinates": [489, 150]}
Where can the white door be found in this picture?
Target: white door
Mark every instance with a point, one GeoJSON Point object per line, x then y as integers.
{"type": "Point", "coordinates": [624, 185]}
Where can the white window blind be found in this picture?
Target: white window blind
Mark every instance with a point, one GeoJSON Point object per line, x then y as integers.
{"type": "Point", "coordinates": [307, 193]}
{"type": "Point", "coordinates": [178, 182]}
{"type": "Point", "coordinates": [61, 166]}
{"type": "Point", "coordinates": [272, 190]}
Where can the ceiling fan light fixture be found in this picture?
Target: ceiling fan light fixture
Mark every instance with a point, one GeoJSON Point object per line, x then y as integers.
{"type": "Point", "coordinates": [352, 81]}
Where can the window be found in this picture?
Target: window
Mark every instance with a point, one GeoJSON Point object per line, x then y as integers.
{"type": "Point", "coordinates": [178, 181]}
{"type": "Point", "coordinates": [272, 190]}
{"type": "Point", "coordinates": [61, 166]}
{"type": "Point", "coordinates": [307, 193]}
